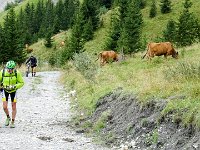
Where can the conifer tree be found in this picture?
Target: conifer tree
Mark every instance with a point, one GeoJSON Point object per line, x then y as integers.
{"type": "Point", "coordinates": [48, 40]}
{"type": "Point", "coordinates": [188, 26]}
{"type": "Point", "coordinates": [89, 10]}
{"type": "Point", "coordinates": [153, 10]}
{"type": "Point", "coordinates": [87, 30]}
{"type": "Point", "coordinates": [39, 15]}
{"type": "Point", "coordinates": [114, 31]}
{"type": "Point", "coordinates": [70, 8]}
{"type": "Point", "coordinates": [75, 42]}
{"type": "Point", "coordinates": [165, 6]}
{"type": "Point", "coordinates": [170, 33]}
{"type": "Point", "coordinates": [2, 46]}
{"type": "Point", "coordinates": [48, 19]}
{"type": "Point", "coordinates": [130, 38]}
{"type": "Point", "coordinates": [59, 10]}
{"type": "Point", "coordinates": [13, 47]}
{"type": "Point", "coordinates": [142, 3]}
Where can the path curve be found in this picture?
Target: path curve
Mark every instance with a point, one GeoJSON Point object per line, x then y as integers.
{"type": "Point", "coordinates": [42, 115]}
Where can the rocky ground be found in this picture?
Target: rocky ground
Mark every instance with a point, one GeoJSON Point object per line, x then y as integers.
{"type": "Point", "coordinates": [130, 125]}
{"type": "Point", "coordinates": [42, 121]}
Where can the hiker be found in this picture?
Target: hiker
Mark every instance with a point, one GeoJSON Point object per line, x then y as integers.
{"type": "Point", "coordinates": [11, 80]}
{"type": "Point", "coordinates": [33, 62]}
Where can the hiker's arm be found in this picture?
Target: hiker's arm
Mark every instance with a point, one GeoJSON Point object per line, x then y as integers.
{"type": "Point", "coordinates": [28, 61]}
{"type": "Point", "coordinates": [20, 81]}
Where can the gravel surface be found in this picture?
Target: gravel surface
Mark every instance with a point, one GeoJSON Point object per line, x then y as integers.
{"type": "Point", "coordinates": [43, 112]}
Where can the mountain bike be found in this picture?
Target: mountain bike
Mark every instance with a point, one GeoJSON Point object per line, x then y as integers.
{"type": "Point", "coordinates": [28, 69]}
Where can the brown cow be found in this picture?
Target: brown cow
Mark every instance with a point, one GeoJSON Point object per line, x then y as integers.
{"type": "Point", "coordinates": [107, 56]}
{"type": "Point", "coordinates": [62, 44]}
{"type": "Point", "coordinates": [28, 49]}
{"type": "Point", "coordinates": [158, 49]}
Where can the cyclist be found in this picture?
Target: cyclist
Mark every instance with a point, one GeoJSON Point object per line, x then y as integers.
{"type": "Point", "coordinates": [11, 80]}
{"type": "Point", "coordinates": [33, 62]}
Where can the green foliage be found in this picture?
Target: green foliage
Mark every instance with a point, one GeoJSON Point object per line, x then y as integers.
{"type": "Point", "coordinates": [48, 40]}
{"type": "Point", "coordinates": [101, 122]}
{"type": "Point", "coordinates": [142, 4]}
{"type": "Point", "coordinates": [53, 58]}
{"type": "Point", "coordinates": [114, 31]}
{"type": "Point", "coordinates": [106, 3]}
{"type": "Point", "coordinates": [130, 37]}
{"type": "Point", "coordinates": [10, 5]}
{"type": "Point", "coordinates": [152, 138]}
{"type": "Point", "coordinates": [12, 46]}
{"type": "Point", "coordinates": [188, 26]}
{"type": "Point", "coordinates": [84, 64]}
{"type": "Point", "coordinates": [153, 10]}
{"type": "Point", "coordinates": [88, 31]}
{"type": "Point", "coordinates": [89, 10]}
{"type": "Point", "coordinates": [165, 6]}
{"type": "Point", "coordinates": [170, 33]}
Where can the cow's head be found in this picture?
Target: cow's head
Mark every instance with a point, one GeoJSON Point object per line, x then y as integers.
{"type": "Point", "coordinates": [175, 55]}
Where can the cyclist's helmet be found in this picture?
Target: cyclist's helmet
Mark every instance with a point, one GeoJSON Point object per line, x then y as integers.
{"type": "Point", "coordinates": [10, 64]}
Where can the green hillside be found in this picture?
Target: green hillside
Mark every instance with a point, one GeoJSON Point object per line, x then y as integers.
{"type": "Point", "coordinates": [152, 27]}
{"type": "Point", "coordinates": [18, 8]}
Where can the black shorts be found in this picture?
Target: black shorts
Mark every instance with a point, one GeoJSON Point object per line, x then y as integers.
{"type": "Point", "coordinates": [32, 66]}
{"type": "Point", "coordinates": [5, 96]}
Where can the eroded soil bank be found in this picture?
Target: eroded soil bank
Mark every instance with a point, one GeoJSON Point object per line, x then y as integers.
{"type": "Point", "coordinates": [130, 125]}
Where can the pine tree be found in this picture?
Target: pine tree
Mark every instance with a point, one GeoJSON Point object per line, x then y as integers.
{"type": "Point", "coordinates": [13, 47]}
{"type": "Point", "coordinates": [153, 10]}
{"type": "Point", "coordinates": [165, 6]}
{"type": "Point", "coordinates": [59, 10]}
{"type": "Point", "coordinates": [75, 42]}
{"type": "Point", "coordinates": [70, 8]}
{"type": "Point", "coordinates": [48, 19]}
{"type": "Point", "coordinates": [114, 31]}
{"type": "Point", "coordinates": [142, 4]}
{"type": "Point", "coordinates": [170, 33]}
{"type": "Point", "coordinates": [39, 15]}
{"type": "Point", "coordinates": [188, 26]}
{"type": "Point", "coordinates": [106, 3]}
{"type": "Point", "coordinates": [89, 10]}
{"type": "Point", "coordinates": [2, 46]}
{"type": "Point", "coordinates": [130, 38]}
{"type": "Point", "coordinates": [88, 31]}
{"type": "Point", "coordinates": [48, 40]}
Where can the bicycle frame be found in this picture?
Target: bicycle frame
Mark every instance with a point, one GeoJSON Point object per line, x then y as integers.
{"type": "Point", "coordinates": [28, 69]}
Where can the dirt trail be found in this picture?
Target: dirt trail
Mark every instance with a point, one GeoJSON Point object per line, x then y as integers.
{"type": "Point", "coordinates": [42, 115]}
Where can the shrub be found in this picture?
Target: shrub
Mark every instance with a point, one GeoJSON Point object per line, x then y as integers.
{"type": "Point", "coordinates": [85, 65]}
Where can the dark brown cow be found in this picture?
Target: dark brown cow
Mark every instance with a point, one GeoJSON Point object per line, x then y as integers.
{"type": "Point", "coordinates": [107, 56]}
{"type": "Point", "coordinates": [158, 49]}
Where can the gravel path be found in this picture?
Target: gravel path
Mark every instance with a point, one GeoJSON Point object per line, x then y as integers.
{"type": "Point", "coordinates": [42, 115]}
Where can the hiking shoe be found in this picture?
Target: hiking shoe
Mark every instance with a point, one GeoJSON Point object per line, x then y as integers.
{"type": "Point", "coordinates": [12, 125]}
{"type": "Point", "coordinates": [7, 121]}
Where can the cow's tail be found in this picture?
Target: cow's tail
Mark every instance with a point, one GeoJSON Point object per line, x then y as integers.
{"type": "Point", "coordinates": [146, 51]}
{"type": "Point", "coordinates": [99, 55]}
{"type": "Point", "coordinates": [144, 55]}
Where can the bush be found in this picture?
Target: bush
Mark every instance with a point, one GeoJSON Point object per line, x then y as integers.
{"type": "Point", "coordinates": [85, 65]}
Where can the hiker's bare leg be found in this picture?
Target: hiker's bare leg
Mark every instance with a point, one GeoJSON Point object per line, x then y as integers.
{"type": "Point", "coordinates": [14, 110]}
